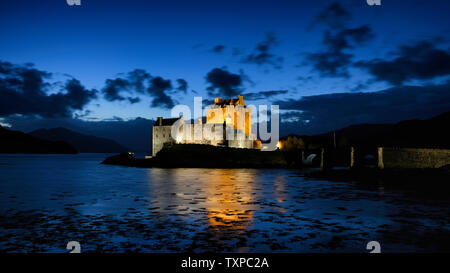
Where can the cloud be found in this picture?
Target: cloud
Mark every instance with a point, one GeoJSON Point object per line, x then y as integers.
{"type": "Point", "coordinates": [333, 16]}
{"type": "Point", "coordinates": [262, 54]}
{"type": "Point", "coordinates": [359, 86]}
{"type": "Point", "coordinates": [322, 113]}
{"type": "Point", "coordinates": [133, 100]}
{"type": "Point", "coordinates": [158, 89]}
{"type": "Point", "coordinates": [76, 96]}
{"type": "Point", "coordinates": [218, 49]}
{"type": "Point", "coordinates": [264, 94]}
{"type": "Point", "coordinates": [223, 83]}
{"type": "Point", "coordinates": [182, 85]}
{"type": "Point", "coordinates": [113, 88]}
{"type": "Point", "coordinates": [333, 60]}
{"type": "Point", "coordinates": [421, 61]}
{"type": "Point", "coordinates": [24, 90]}
{"type": "Point", "coordinates": [139, 82]}
{"type": "Point", "coordinates": [133, 82]}
{"type": "Point", "coordinates": [137, 79]}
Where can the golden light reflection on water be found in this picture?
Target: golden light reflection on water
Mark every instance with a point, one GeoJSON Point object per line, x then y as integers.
{"type": "Point", "coordinates": [229, 202]}
{"type": "Point", "coordinates": [225, 196]}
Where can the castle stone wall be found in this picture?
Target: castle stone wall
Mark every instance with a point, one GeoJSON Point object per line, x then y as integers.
{"type": "Point", "coordinates": [160, 135]}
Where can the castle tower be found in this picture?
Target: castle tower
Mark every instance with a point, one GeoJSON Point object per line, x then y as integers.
{"type": "Point", "coordinates": [232, 112]}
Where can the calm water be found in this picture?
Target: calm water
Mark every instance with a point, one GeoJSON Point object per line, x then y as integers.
{"type": "Point", "coordinates": [49, 200]}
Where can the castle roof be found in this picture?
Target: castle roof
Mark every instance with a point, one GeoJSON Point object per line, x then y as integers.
{"type": "Point", "coordinates": [224, 103]}
{"type": "Point", "coordinates": [165, 121]}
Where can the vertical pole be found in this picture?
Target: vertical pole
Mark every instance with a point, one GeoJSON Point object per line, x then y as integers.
{"type": "Point", "coordinates": [153, 141]}
{"type": "Point", "coordinates": [380, 158]}
{"type": "Point", "coordinates": [352, 157]}
{"type": "Point", "coordinates": [321, 158]}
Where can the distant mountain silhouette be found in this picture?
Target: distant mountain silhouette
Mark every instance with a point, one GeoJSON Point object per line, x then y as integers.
{"type": "Point", "coordinates": [19, 142]}
{"type": "Point", "coordinates": [83, 143]}
{"type": "Point", "coordinates": [430, 133]}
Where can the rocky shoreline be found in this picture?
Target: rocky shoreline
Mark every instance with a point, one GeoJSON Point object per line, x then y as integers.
{"type": "Point", "coordinates": [206, 156]}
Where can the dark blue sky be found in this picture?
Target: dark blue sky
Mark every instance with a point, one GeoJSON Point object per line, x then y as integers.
{"type": "Point", "coordinates": [301, 50]}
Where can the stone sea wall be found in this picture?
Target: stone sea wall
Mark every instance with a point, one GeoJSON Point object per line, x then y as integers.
{"type": "Point", "coordinates": [412, 158]}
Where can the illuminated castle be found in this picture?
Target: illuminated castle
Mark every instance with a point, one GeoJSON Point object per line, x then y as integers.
{"type": "Point", "coordinates": [228, 123]}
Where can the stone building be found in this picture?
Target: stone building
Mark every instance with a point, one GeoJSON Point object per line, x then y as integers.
{"type": "Point", "coordinates": [228, 123]}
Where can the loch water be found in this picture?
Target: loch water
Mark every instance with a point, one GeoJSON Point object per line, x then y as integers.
{"type": "Point", "coordinates": [48, 200]}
